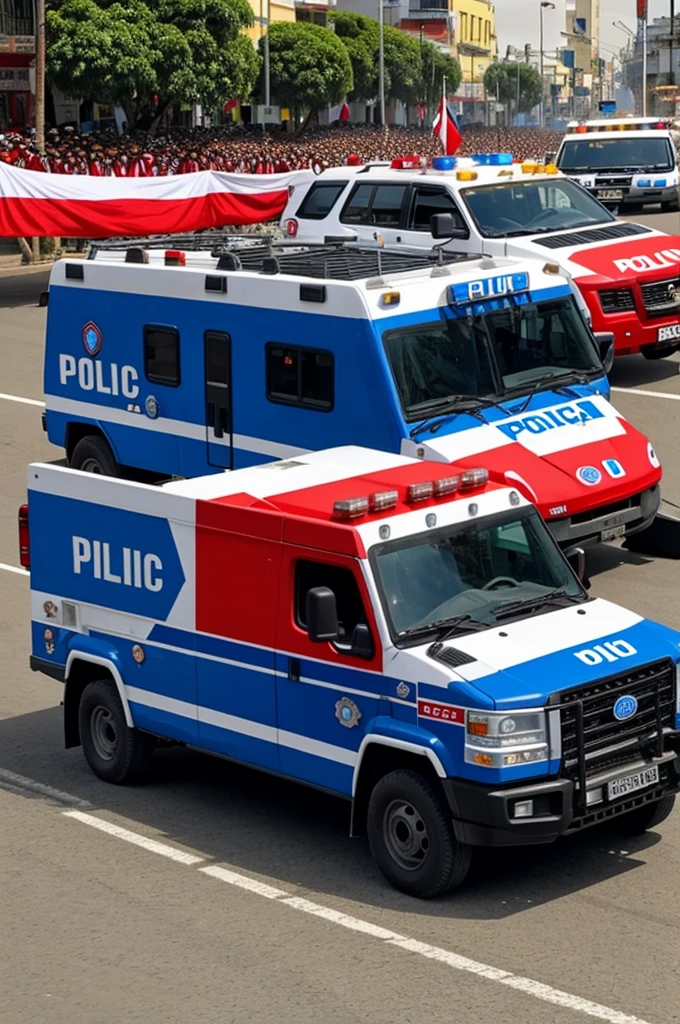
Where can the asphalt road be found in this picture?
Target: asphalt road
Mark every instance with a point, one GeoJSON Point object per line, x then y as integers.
{"type": "Point", "coordinates": [215, 895]}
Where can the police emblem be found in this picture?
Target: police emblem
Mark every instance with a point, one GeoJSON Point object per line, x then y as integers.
{"type": "Point", "coordinates": [92, 339]}
{"type": "Point", "coordinates": [347, 713]}
{"type": "Point", "coordinates": [151, 407]}
{"type": "Point", "coordinates": [403, 690]}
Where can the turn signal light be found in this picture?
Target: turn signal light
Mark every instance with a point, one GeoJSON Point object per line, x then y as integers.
{"type": "Point", "coordinates": [391, 298]}
{"type": "Point", "coordinates": [485, 760]}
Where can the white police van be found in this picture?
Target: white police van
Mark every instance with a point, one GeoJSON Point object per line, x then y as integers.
{"type": "Point", "coordinates": [627, 275]}
{"type": "Point", "coordinates": [400, 633]}
{"type": "Point", "coordinates": [178, 363]}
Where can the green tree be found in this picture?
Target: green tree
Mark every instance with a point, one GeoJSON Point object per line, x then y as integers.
{"type": "Point", "coordinates": [501, 80]}
{"type": "Point", "coordinates": [361, 36]}
{"type": "Point", "coordinates": [148, 55]}
{"type": "Point", "coordinates": [437, 66]}
{"type": "Point", "coordinates": [309, 67]}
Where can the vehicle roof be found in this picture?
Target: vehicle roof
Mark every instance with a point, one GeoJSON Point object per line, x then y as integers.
{"type": "Point", "coordinates": [609, 122]}
{"type": "Point", "coordinates": [302, 491]}
{"type": "Point", "coordinates": [486, 175]}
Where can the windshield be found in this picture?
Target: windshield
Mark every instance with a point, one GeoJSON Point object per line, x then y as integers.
{"type": "Point", "coordinates": [528, 208]}
{"type": "Point", "coordinates": [651, 153]}
{"type": "Point", "coordinates": [472, 575]}
{"type": "Point", "coordinates": [495, 354]}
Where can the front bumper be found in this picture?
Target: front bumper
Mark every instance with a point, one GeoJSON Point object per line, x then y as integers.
{"type": "Point", "coordinates": [483, 816]}
{"type": "Point", "coordinates": [632, 194]}
{"type": "Point", "coordinates": [603, 523]}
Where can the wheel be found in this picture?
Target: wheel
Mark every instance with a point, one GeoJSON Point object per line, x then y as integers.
{"type": "Point", "coordinates": [411, 836]}
{"type": "Point", "coordinates": [114, 751]}
{"type": "Point", "coordinates": [647, 816]}
{"type": "Point", "coordinates": [93, 454]}
{"type": "Point", "coordinates": [653, 353]}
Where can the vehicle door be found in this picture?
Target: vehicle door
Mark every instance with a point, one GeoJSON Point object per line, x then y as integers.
{"type": "Point", "coordinates": [375, 210]}
{"type": "Point", "coordinates": [327, 694]}
{"type": "Point", "coordinates": [424, 201]}
{"type": "Point", "coordinates": [218, 424]}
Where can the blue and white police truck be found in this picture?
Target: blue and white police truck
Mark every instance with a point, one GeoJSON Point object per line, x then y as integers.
{"type": "Point", "coordinates": [178, 363]}
{"type": "Point", "coordinates": [401, 633]}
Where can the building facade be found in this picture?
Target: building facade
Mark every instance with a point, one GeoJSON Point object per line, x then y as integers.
{"type": "Point", "coordinates": [17, 60]}
{"type": "Point", "coordinates": [582, 36]}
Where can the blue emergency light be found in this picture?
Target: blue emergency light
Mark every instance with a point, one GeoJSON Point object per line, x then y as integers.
{"type": "Point", "coordinates": [660, 183]}
{"type": "Point", "coordinates": [488, 288]}
{"type": "Point", "coordinates": [493, 159]}
{"type": "Point", "coordinates": [443, 163]}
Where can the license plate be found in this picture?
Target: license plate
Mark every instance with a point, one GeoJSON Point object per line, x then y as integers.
{"type": "Point", "coordinates": [631, 783]}
{"type": "Point", "coordinates": [610, 193]}
{"type": "Point", "coordinates": [670, 333]}
{"type": "Point", "coordinates": [612, 534]}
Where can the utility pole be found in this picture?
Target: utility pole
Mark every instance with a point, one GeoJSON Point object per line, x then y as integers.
{"type": "Point", "coordinates": [671, 67]}
{"type": "Point", "coordinates": [267, 84]}
{"type": "Point", "coordinates": [543, 5]}
{"type": "Point", "coordinates": [381, 69]}
{"type": "Point", "coordinates": [39, 13]}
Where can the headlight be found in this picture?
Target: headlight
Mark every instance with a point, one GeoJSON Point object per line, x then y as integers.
{"type": "Point", "coordinates": [503, 740]}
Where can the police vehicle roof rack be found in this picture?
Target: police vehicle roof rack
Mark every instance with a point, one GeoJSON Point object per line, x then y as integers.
{"type": "Point", "coordinates": [195, 242]}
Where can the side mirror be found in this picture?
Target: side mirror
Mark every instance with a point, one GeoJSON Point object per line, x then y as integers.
{"type": "Point", "coordinates": [322, 615]}
{"type": "Point", "coordinates": [577, 560]}
{"type": "Point", "coordinates": [362, 641]}
{"type": "Point", "coordinates": [443, 225]}
{"type": "Point", "coordinates": [44, 298]}
{"type": "Point", "coordinates": [605, 344]}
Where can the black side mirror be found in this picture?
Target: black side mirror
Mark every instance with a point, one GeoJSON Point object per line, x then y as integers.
{"type": "Point", "coordinates": [605, 344]}
{"type": "Point", "coordinates": [322, 615]}
{"type": "Point", "coordinates": [44, 298]}
{"type": "Point", "coordinates": [362, 642]}
{"type": "Point", "coordinates": [443, 225]}
{"type": "Point", "coordinates": [577, 560]}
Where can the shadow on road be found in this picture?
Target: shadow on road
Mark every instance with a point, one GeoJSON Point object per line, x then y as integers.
{"type": "Point", "coordinates": [23, 289]}
{"type": "Point", "coordinates": [602, 558]}
{"type": "Point", "coordinates": [632, 371]}
{"type": "Point", "coordinates": [259, 823]}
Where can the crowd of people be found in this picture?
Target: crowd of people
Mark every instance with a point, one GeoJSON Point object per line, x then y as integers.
{"type": "Point", "coordinates": [247, 150]}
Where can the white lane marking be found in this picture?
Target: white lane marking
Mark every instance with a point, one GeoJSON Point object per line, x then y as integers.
{"type": "Point", "coordinates": [152, 845]}
{"type": "Point", "coordinates": [15, 568]}
{"type": "Point", "coordinates": [460, 963]}
{"type": "Point", "coordinates": [24, 401]}
{"type": "Point", "coordinates": [649, 394]}
{"type": "Point", "coordinates": [22, 783]}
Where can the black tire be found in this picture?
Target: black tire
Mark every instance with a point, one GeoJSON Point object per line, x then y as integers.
{"type": "Point", "coordinates": [648, 816]}
{"type": "Point", "coordinates": [653, 353]}
{"type": "Point", "coordinates": [411, 837]}
{"type": "Point", "coordinates": [93, 454]}
{"type": "Point", "coordinates": [114, 751]}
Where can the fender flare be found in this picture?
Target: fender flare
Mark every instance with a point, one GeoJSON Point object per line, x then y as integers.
{"type": "Point", "coordinates": [108, 663]}
{"type": "Point", "coordinates": [423, 749]}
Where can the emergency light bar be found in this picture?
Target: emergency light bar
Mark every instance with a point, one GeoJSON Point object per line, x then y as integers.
{"type": "Point", "coordinates": [618, 126]}
{"type": "Point", "coordinates": [492, 159]}
{"type": "Point", "coordinates": [406, 163]}
{"type": "Point", "coordinates": [355, 508]}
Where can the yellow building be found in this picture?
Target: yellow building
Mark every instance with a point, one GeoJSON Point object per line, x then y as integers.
{"type": "Point", "coordinates": [279, 10]}
{"type": "Point", "coordinates": [474, 41]}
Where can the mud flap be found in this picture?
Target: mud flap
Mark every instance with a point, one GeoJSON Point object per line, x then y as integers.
{"type": "Point", "coordinates": [660, 539]}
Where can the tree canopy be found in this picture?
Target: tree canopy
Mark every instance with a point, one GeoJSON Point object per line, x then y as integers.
{"type": "Point", "coordinates": [403, 66]}
{"type": "Point", "coordinates": [147, 54]}
{"type": "Point", "coordinates": [309, 67]}
{"type": "Point", "coordinates": [501, 80]}
{"type": "Point", "coordinates": [437, 66]}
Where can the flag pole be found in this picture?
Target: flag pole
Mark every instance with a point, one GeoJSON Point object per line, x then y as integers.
{"type": "Point", "coordinates": [445, 116]}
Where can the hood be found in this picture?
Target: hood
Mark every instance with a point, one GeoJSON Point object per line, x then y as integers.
{"type": "Point", "coordinates": [652, 255]}
{"type": "Point", "coordinates": [519, 664]}
{"type": "Point", "coordinates": [562, 454]}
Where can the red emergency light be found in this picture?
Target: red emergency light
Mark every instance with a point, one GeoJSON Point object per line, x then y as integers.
{"type": "Point", "coordinates": [406, 163]}
{"type": "Point", "coordinates": [24, 538]}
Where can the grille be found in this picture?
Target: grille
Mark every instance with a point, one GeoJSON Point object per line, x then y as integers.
{"type": "Point", "coordinates": [449, 655]}
{"type": "Point", "coordinates": [596, 235]}
{"type": "Point", "coordinates": [613, 181]}
{"type": "Point", "coordinates": [658, 301]}
{"type": "Point", "coordinates": [594, 741]}
{"type": "Point", "coordinates": [606, 510]}
{"type": "Point", "coordinates": [617, 300]}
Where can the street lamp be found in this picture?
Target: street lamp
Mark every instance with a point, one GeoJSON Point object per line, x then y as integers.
{"type": "Point", "coordinates": [543, 4]}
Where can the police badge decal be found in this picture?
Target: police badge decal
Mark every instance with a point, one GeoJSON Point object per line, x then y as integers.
{"type": "Point", "coordinates": [347, 713]}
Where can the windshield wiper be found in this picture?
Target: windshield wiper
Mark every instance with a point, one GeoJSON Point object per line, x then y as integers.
{"type": "Point", "coordinates": [508, 608]}
{"type": "Point", "coordinates": [453, 406]}
{"type": "Point", "coordinates": [444, 628]}
{"type": "Point", "coordinates": [560, 389]}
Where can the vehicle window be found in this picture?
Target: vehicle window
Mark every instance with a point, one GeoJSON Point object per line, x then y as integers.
{"type": "Point", "coordinates": [320, 200]}
{"type": "Point", "coordinates": [428, 201]}
{"type": "Point", "coordinates": [379, 205]}
{"type": "Point", "coordinates": [527, 208]}
{"type": "Point", "coordinates": [470, 569]}
{"type": "Point", "coordinates": [341, 581]}
{"type": "Point", "coordinates": [161, 355]}
{"type": "Point", "coordinates": [641, 153]}
{"type": "Point", "coordinates": [300, 376]}
{"type": "Point", "coordinates": [546, 338]}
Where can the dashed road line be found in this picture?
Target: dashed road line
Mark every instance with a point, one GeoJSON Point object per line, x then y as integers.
{"type": "Point", "coordinates": [152, 845]}
{"type": "Point", "coordinates": [648, 394]}
{"type": "Point", "coordinates": [23, 401]}
{"type": "Point", "coordinates": [16, 569]}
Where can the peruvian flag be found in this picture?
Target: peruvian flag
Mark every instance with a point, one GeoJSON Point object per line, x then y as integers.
{"type": "Point", "coordinates": [85, 206]}
{"type": "Point", "coordinates": [446, 127]}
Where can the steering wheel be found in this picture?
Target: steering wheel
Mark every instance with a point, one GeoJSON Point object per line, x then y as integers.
{"type": "Point", "coordinates": [543, 216]}
{"type": "Point", "coordinates": [500, 581]}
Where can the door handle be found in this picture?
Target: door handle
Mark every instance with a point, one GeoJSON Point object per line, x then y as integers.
{"type": "Point", "coordinates": [294, 670]}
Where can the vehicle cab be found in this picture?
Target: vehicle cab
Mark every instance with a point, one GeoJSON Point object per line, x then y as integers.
{"type": "Point", "coordinates": [626, 163]}
{"type": "Point", "coordinates": [628, 275]}
{"type": "Point", "coordinates": [402, 634]}
{"type": "Point", "coordinates": [182, 366]}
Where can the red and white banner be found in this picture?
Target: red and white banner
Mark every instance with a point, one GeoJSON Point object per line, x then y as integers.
{"type": "Point", "coordinates": [80, 206]}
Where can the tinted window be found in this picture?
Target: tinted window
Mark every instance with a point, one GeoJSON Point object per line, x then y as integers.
{"type": "Point", "coordinates": [375, 204]}
{"type": "Point", "coordinates": [320, 200]}
{"type": "Point", "coordinates": [428, 201]}
{"type": "Point", "coordinates": [161, 355]}
{"type": "Point", "coordinates": [300, 376]}
{"type": "Point", "coordinates": [356, 211]}
{"type": "Point", "coordinates": [526, 208]}
{"type": "Point", "coordinates": [640, 153]}
{"type": "Point", "coordinates": [343, 584]}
